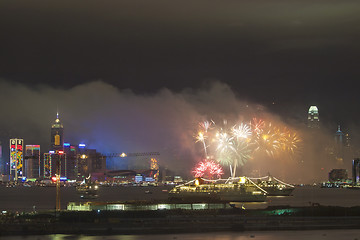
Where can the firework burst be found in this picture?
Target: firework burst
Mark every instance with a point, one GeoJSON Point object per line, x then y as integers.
{"type": "Point", "coordinates": [267, 140]}
{"type": "Point", "coordinates": [234, 146]}
{"type": "Point", "coordinates": [208, 169]}
{"type": "Point", "coordinates": [206, 125]}
{"type": "Point", "coordinates": [241, 131]}
{"type": "Point", "coordinates": [290, 142]}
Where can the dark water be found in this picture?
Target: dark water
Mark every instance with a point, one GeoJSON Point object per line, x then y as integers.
{"type": "Point", "coordinates": [266, 235]}
{"type": "Point", "coordinates": [24, 198]}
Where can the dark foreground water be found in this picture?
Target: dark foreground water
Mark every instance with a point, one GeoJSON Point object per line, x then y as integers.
{"type": "Point", "coordinates": [265, 235]}
{"type": "Point", "coordinates": [43, 198]}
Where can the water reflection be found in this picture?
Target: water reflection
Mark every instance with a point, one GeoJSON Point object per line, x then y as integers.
{"type": "Point", "coordinates": [263, 235]}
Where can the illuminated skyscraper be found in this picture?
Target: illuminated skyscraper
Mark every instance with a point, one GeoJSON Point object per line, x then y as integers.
{"type": "Point", "coordinates": [313, 117]}
{"type": "Point", "coordinates": [57, 135]}
{"type": "Point", "coordinates": [356, 171]}
{"type": "Point", "coordinates": [54, 163]}
{"type": "Point", "coordinates": [32, 161]}
{"type": "Point", "coordinates": [2, 169]}
{"type": "Point", "coordinates": [16, 158]}
{"type": "Point", "coordinates": [339, 137]}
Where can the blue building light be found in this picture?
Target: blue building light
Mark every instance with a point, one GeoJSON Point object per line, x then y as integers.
{"type": "Point", "coordinates": [66, 144]}
{"type": "Point", "coordinates": [51, 152]}
{"type": "Point", "coordinates": [82, 145]}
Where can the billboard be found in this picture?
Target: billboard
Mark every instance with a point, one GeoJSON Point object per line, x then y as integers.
{"type": "Point", "coordinates": [16, 158]}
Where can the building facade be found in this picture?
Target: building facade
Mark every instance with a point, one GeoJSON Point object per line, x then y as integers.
{"type": "Point", "coordinates": [313, 120]}
{"type": "Point", "coordinates": [54, 164]}
{"type": "Point", "coordinates": [57, 135]}
{"type": "Point", "coordinates": [2, 168]}
{"type": "Point", "coordinates": [32, 161]}
{"type": "Point", "coordinates": [16, 158]}
{"type": "Point", "coordinates": [356, 171]}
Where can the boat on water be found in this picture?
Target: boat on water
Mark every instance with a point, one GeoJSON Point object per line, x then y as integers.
{"type": "Point", "coordinates": [240, 189]}
{"type": "Point", "coordinates": [274, 186]}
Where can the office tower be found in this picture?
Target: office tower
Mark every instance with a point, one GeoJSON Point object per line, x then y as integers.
{"type": "Point", "coordinates": [2, 168]}
{"type": "Point", "coordinates": [356, 171]}
{"type": "Point", "coordinates": [89, 162]}
{"type": "Point", "coordinates": [47, 165]}
{"type": "Point", "coordinates": [54, 163]}
{"type": "Point", "coordinates": [32, 161]}
{"type": "Point", "coordinates": [57, 135]}
{"type": "Point", "coordinates": [313, 117]}
{"type": "Point", "coordinates": [55, 160]}
{"type": "Point", "coordinates": [16, 158]}
{"type": "Point", "coordinates": [338, 175]}
{"type": "Point", "coordinates": [339, 137]}
{"type": "Point", "coordinates": [71, 161]}
{"type": "Point", "coordinates": [339, 146]}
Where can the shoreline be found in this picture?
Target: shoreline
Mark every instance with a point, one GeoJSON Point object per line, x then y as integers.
{"type": "Point", "coordinates": [184, 221]}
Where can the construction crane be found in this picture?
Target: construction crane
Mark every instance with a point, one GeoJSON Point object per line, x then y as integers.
{"type": "Point", "coordinates": [111, 155]}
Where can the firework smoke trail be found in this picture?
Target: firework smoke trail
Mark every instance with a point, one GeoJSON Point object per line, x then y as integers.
{"type": "Point", "coordinates": [201, 138]}
{"type": "Point", "coordinates": [202, 135]}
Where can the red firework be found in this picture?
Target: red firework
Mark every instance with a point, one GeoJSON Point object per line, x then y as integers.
{"type": "Point", "coordinates": [208, 169]}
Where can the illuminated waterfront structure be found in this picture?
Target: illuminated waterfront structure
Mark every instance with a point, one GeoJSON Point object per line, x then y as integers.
{"type": "Point", "coordinates": [313, 117]}
{"type": "Point", "coordinates": [16, 158]}
{"type": "Point", "coordinates": [32, 161]}
{"type": "Point", "coordinates": [57, 135]}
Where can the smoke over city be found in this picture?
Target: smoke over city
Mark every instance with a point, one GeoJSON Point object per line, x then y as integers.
{"type": "Point", "coordinates": [114, 121]}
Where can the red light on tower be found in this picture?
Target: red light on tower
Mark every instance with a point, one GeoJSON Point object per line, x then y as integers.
{"type": "Point", "coordinates": [61, 152]}
{"type": "Point", "coordinates": [53, 179]}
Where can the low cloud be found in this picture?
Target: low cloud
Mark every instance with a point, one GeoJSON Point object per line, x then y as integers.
{"type": "Point", "coordinates": [114, 121]}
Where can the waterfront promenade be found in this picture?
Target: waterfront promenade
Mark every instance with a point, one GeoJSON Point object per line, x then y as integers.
{"type": "Point", "coordinates": [43, 198]}
{"type": "Point", "coordinates": [309, 208]}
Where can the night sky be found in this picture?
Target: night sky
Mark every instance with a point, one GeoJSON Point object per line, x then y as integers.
{"type": "Point", "coordinates": [282, 55]}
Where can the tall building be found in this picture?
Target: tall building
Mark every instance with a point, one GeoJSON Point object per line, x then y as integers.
{"type": "Point", "coordinates": [89, 162]}
{"type": "Point", "coordinates": [2, 168]}
{"type": "Point", "coordinates": [32, 161]}
{"type": "Point", "coordinates": [356, 171]}
{"type": "Point", "coordinates": [339, 137]}
{"type": "Point", "coordinates": [16, 158]}
{"type": "Point", "coordinates": [54, 164]}
{"type": "Point", "coordinates": [57, 135]}
{"type": "Point", "coordinates": [55, 159]}
{"type": "Point", "coordinates": [71, 161]}
{"type": "Point", "coordinates": [313, 117]}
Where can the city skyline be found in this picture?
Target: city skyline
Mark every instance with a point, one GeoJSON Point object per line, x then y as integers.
{"type": "Point", "coordinates": [333, 149]}
{"type": "Point", "coordinates": [140, 79]}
